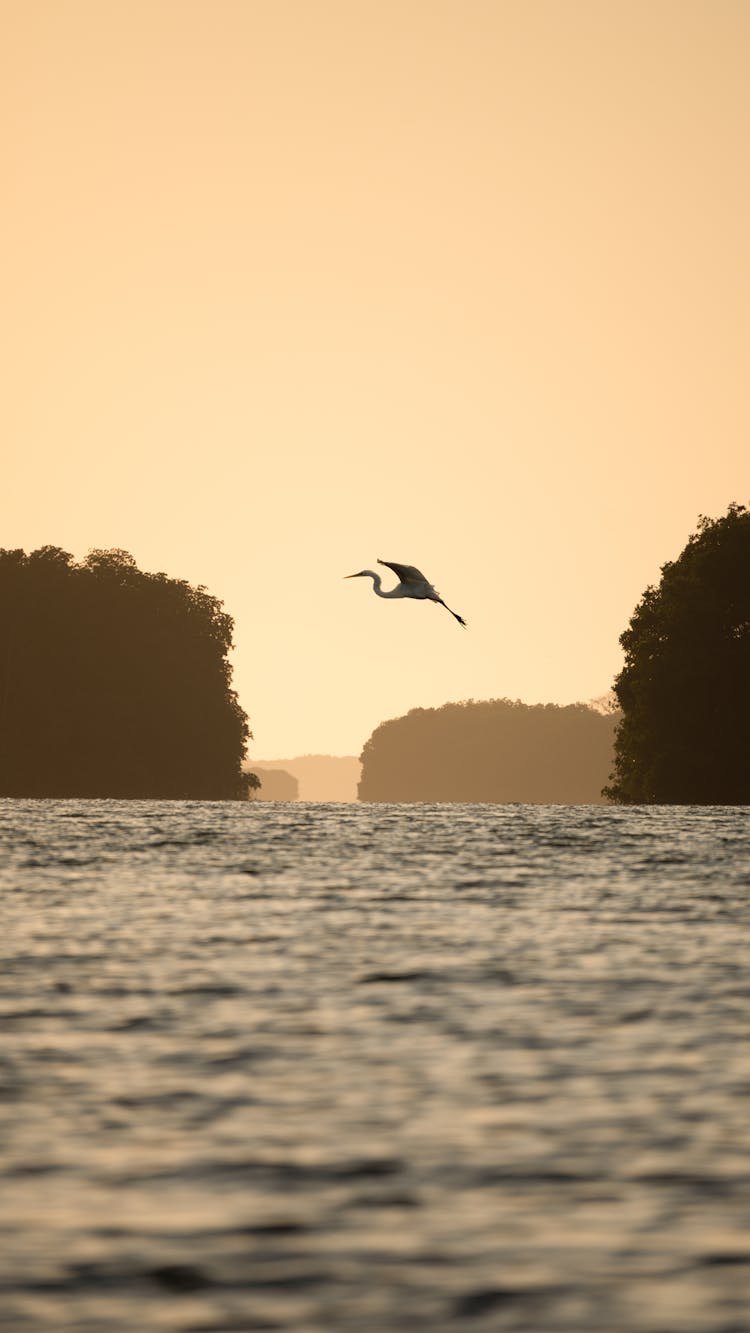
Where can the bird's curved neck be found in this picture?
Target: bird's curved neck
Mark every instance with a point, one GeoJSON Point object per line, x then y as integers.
{"type": "Point", "coordinates": [377, 583]}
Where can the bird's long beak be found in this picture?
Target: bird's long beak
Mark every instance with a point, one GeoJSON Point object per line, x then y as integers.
{"type": "Point", "coordinates": [351, 576]}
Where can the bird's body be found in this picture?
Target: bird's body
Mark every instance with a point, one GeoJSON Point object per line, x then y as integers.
{"type": "Point", "coordinates": [411, 583]}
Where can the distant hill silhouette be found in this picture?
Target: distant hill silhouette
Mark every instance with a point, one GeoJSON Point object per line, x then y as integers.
{"type": "Point", "coordinates": [495, 751]}
{"type": "Point", "coordinates": [321, 777]}
{"type": "Point", "coordinates": [275, 785]}
{"type": "Point", "coordinates": [114, 682]}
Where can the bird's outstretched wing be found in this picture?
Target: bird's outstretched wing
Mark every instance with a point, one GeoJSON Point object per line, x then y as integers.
{"type": "Point", "coordinates": [406, 573]}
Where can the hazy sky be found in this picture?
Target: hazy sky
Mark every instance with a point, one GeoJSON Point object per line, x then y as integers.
{"type": "Point", "coordinates": [293, 284]}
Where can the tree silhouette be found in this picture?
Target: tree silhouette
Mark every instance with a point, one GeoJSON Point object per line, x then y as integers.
{"type": "Point", "coordinates": [684, 736]}
{"type": "Point", "coordinates": [491, 750]}
{"type": "Point", "coordinates": [114, 682]}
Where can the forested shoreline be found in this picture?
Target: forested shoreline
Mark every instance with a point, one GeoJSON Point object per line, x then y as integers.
{"type": "Point", "coordinates": [117, 683]}
{"type": "Point", "coordinates": [114, 682]}
{"type": "Point", "coordinates": [494, 750]}
{"type": "Point", "coordinates": [684, 690]}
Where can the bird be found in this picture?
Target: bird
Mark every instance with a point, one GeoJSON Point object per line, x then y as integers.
{"type": "Point", "coordinates": [412, 583]}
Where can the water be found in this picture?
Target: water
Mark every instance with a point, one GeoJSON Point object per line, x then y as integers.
{"type": "Point", "coordinates": [334, 1068]}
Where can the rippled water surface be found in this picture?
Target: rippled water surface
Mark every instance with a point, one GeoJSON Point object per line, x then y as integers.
{"type": "Point", "coordinates": [322, 1068]}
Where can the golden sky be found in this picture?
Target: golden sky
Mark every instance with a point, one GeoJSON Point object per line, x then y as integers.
{"type": "Point", "coordinates": [289, 285]}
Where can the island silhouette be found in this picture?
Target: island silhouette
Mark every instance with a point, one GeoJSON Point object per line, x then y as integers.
{"type": "Point", "coordinates": [495, 750]}
{"type": "Point", "coordinates": [114, 682]}
{"type": "Point", "coordinates": [320, 777]}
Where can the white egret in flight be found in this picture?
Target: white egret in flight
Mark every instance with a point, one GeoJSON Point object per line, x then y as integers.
{"type": "Point", "coordinates": [411, 584]}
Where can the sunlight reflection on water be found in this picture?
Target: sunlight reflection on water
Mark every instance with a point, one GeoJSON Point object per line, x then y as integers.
{"type": "Point", "coordinates": [317, 1067]}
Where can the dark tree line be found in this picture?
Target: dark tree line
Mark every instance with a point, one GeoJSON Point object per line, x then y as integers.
{"type": "Point", "coordinates": [684, 690]}
{"type": "Point", "coordinates": [494, 750]}
{"type": "Point", "coordinates": [114, 682]}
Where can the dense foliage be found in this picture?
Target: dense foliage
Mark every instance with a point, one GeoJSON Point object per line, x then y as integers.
{"type": "Point", "coordinates": [684, 690]}
{"type": "Point", "coordinates": [114, 682]}
{"type": "Point", "coordinates": [494, 750]}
